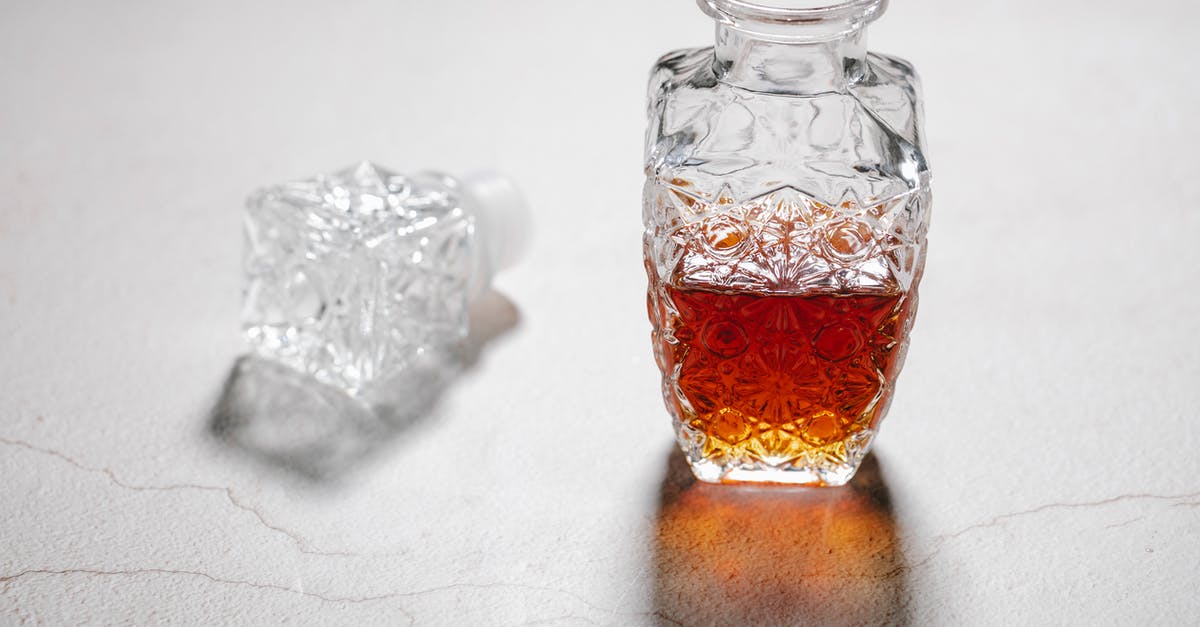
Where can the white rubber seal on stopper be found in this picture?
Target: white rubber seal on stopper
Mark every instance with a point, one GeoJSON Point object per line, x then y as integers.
{"type": "Point", "coordinates": [502, 219]}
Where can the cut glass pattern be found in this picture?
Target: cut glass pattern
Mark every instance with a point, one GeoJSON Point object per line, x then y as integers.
{"type": "Point", "coordinates": [785, 233]}
{"type": "Point", "coordinates": [351, 276]}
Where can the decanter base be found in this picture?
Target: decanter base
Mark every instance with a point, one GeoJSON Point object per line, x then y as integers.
{"type": "Point", "coordinates": [711, 472]}
{"type": "Point", "coordinates": [833, 465]}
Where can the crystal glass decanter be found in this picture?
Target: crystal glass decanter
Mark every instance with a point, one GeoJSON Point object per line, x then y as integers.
{"type": "Point", "coordinates": [786, 206]}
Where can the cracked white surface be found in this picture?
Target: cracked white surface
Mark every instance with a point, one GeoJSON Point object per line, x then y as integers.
{"type": "Point", "coordinates": [1039, 464]}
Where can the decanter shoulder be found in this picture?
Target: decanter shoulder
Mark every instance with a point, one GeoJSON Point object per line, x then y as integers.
{"type": "Point", "coordinates": [891, 91]}
{"type": "Point", "coordinates": [690, 67]}
{"type": "Point", "coordinates": [866, 140]}
{"type": "Point", "coordinates": [679, 97]}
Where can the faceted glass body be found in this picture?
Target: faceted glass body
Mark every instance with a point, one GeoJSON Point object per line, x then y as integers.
{"type": "Point", "coordinates": [785, 208]}
{"type": "Point", "coordinates": [351, 276]}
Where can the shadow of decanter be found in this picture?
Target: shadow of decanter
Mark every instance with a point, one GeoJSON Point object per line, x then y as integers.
{"type": "Point", "coordinates": [296, 424]}
{"type": "Point", "coordinates": [777, 555]}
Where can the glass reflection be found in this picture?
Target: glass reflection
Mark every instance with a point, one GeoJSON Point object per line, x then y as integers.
{"type": "Point", "coordinates": [730, 554]}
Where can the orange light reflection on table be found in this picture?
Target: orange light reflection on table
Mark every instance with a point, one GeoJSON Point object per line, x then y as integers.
{"type": "Point", "coordinates": [732, 554]}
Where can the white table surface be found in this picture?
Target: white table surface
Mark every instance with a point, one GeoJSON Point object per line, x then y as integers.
{"type": "Point", "coordinates": [1039, 464]}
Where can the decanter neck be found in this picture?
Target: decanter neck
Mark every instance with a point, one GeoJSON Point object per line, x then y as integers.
{"type": "Point", "coordinates": [791, 46]}
{"type": "Point", "coordinates": [746, 61]}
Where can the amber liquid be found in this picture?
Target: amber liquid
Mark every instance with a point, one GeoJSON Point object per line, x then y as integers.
{"type": "Point", "coordinates": [775, 378]}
